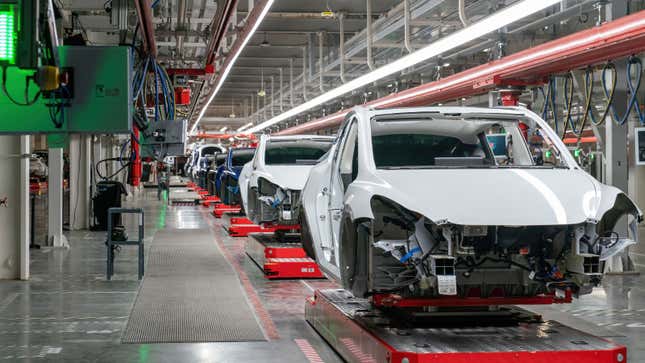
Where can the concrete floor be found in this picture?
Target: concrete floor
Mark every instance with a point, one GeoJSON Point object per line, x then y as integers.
{"type": "Point", "coordinates": [68, 312]}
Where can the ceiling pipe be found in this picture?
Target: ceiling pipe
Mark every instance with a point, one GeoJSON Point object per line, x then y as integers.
{"type": "Point", "coordinates": [321, 65]}
{"type": "Point", "coordinates": [406, 26]}
{"type": "Point", "coordinates": [304, 73]}
{"type": "Point", "coordinates": [370, 37]}
{"type": "Point", "coordinates": [612, 40]}
{"type": "Point", "coordinates": [341, 46]}
{"type": "Point", "coordinates": [291, 82]}
{"type": "Point", "coordinates": [219, 26]}
{"type": "Point", "coordinates": [181, 23]}
{"type": "Point", "coordinates": [281, 85]}
{"type": "Point", "coordinates": [272, 98]}
{"type": "Point", "coordinates": [144, 13]}
{"type": "Point", "coordinates": [461, 6]}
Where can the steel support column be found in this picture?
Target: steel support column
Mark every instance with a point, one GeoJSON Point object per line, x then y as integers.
{"type": "Point", "coordinates": [55, 236]}
{"type": "Point", "coordinates": [79, 183]}
{"type": "Point", "coordinates": [14, 207]}
{"type": "Point", "coordinates": [616, 142]}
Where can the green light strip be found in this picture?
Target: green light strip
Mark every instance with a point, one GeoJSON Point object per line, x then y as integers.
{"type": "Point", "coordinates": [7, 37]}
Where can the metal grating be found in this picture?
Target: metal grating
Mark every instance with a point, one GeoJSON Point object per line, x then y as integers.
{"type": "Point", "coordinates": [190, 294]}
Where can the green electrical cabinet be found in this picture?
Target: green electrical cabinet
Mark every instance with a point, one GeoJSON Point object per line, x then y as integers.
{"type": "Point", "coordinates": [101, 91]}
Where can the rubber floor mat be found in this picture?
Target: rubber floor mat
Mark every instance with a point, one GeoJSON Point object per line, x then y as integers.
{"type": "Point", "coordinates": [190, 293]}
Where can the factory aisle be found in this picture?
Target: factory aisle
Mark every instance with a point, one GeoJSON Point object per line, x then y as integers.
{"type": "Point", "coordinates": [68, 312]}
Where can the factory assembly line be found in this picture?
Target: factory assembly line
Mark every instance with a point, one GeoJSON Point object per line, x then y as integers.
{"type": "Point", "coordinates": [392, 181]}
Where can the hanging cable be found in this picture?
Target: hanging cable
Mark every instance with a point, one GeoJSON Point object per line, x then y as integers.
{"type": "Point", "coordinates": [27, 102]}
{"type": "Point", "coordinates": [609, 94]}
{"type": "Point", "coordinates": [549, 100]}
{"type": "Point", "coordinates": [633, 85]}
{"type": "Point", "coordinates": [581, 121]}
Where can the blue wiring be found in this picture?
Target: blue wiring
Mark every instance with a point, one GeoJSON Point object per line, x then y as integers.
{"type": "Point", "coordinates": [633, 90]}
{"type": "Point", "coordinates": [165, 90]}
{"type": "Point", "coordinates": [550, 97]}
{"type": "Point", "coordinates": [156, 96]}
{"type": "Point", "coordinates": [142, 75]}
{"type": "Point", "coordinates": [121, 153]}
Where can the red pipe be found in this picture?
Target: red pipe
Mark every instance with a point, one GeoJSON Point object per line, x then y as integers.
{"type": "Point", "coordinates": [144, 12]}
{"type": "Point", "coordinates": [220, 32]}
{"type": "Point", "coordinates": [186, 71]}
{"type": "Point", "coordinates": [583, 140]}
{"type": "Point", "coordinates": [615, 39]}
{"type": "Point", "coordinates": [135, 168]}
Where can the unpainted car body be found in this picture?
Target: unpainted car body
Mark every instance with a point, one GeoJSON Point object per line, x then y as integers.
{"type": "Point", "coordinates": [270, 184]}
{"type": "Point", "coordinates": [415, 202]}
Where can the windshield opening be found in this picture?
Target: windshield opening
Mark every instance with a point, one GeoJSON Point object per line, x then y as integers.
{"type": "Point", "coordinates": [241, 157]}
{"type": "Point", "coordinates": [210, 150]}
{"type": "Point", "coordinates": [456, 142]}
{"type": "Point", "coordinates": [306, 152]}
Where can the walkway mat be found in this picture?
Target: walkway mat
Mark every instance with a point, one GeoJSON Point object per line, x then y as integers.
{"type": "Point", "coordinates": [190, 293]}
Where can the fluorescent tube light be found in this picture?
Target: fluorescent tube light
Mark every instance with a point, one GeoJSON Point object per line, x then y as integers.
{"type": "Point", "coordinates": [230, 64]}
{"type": "Point", "coordinates": [223, 129]}
{"type": "Point", "coordinates": [459, 38]}
{"type": "Point", "coordinates": [245, 127]}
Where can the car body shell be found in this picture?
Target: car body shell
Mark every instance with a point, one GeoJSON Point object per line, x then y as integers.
{"type": "Point", "coordinates": [291, 177]}
{"type": "Point", "coordinates": [507, 197]}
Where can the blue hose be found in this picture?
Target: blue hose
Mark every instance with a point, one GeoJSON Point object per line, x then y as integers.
{"type": "Point", "coordinates": [633, 90]}
{"type": "Point", "coordinates": [156, 96]}
{"type": "Point", "coordinates": [550, 97]}
{"type": "Point", "coordinates": [143, 77]}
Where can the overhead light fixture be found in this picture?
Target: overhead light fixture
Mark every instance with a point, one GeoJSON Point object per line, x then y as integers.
{"type": "Point", "coordinates": [265, 43]}
{"type": "Point", "coordinates": [232, 115]}
{"type": "Point", "coordinates": [245, 127]}
{"type": "Point", "coordinates": [459, 38]}
{"type": "Point", "coordinates": [223, 129]}
{"type": "Point", "coordinates": [230, 64]}
{"type": "Point", "coordinates": [262, 92]}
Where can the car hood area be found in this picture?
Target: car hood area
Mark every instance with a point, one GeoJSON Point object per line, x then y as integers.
{"type": "Point", "coordinates": [509, 197]}
{"type": "Point", "coordinates": [292, 177]}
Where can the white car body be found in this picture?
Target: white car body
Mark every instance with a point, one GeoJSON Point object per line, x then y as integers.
{"type": "Point", "coordinates": [447, 199]}
{"type": "Point", "coordinates": [288, 178]}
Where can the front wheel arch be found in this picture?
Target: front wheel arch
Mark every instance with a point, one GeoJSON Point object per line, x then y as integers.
{"type": "Point", "coordinates": [354, 254]}
{"type": "Point", "coordinates": [305, 235]}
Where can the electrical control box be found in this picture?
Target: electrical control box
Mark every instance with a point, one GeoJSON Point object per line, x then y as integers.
{"type": "Point", "coordinates": [99, 98]}
{"type": "Point", "coordinates": [639, 135]}
{"type": "Point", "coordinates": [164, 138]}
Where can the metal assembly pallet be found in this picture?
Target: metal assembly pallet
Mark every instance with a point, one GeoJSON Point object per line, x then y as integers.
{"type": "Point", "coordinates": [207, 200]}
{"type": "Point", "coordinates": [242, 227]}
{"type": "Point", "coordinates": [221, 209]}
{"type": "Point", "coordinates": [361, 333]}
{"type": "Point", "coordinates": [281, 260]}
{"type": "Point", "coordinates": [182, 196]}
